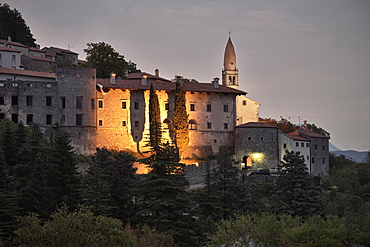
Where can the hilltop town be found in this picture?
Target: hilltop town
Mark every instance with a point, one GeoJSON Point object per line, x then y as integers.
{"type": "Point", "coordinates": [113, 113]}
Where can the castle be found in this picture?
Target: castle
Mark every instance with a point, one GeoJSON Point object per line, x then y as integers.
{"type": "Point", "coordinates": [113, 112]}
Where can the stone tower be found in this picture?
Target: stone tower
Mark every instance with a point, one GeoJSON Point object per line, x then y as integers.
{"type": "Point", "coordinates": [230, 74]}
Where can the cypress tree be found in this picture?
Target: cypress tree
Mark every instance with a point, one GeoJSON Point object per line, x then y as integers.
{"type": "Point", "coordinates": [154, 119]}
{"type": "Point", "coordinates": [180, 120]}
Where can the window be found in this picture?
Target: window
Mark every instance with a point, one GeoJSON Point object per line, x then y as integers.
{"type": "Point", "coordinates": [14, 100]}
{"type": "Point", "coordinates": [79, 119]}
{"type": "Point", "coordinates": [261, 138]}
{"type": "Point", "coordinates": [313, 160]}
{"type": "Point", "coordinates": [323, 147]}
{"type": "Point", "coordinates": [307, 145]}
{"type": "Point", "coordinates": [29, 119]}
{"type": "Point", "coordinates": [136, 124]}
{"type": "Point", "coordinates": [2, 115]}
{"type": "Point", "coordinates": [2, 100]}
{"type": "Point", "coordinates": [226, 126]}
{"type": "Point", "coordinates": [226, 108]}
{"type": "Point", "coordinates": [92, 103]}
{"type": "Point", "coordinates": [308, 157]}
{"type": "Point", "coordinates": [79, 102]}
{"type": "Point", "coordinates": [192, 125]}
{"type": "Point", "coordinates": [15, 118]}
{"type": "Point", "coordinates": [49, 100]}
{"type": "Point", "coordinates": [100, 122]}
{"type": "Point", "coordinates": [136, 105]}
{"type": "Point", "coordinates": [209, 107]}
{"type": "Point", "coordinates": [302, 145]}
{"type": "Point", "coordinates": [209, 125]}
{"type": "Point", "coordinates": [244, 102]}
{"type": "Point", "coordinates": [63, 118]}
{"type": "Point", "coordinates": [315, 147]}
{"type": "Point", "coordinates": [123, 104]}
{"type": "Point", "coordinates": [100, 103]}
{"type": "Point", "coordinates": [29, 100]}
{"type": "Point", "coordinates": [323, 160]}
{"type": "Point", "coordinates": [49, 118]}
{"type": "Point", "coordinates": [63, 102]}
{"type": "Point", "coordinates": [284, 145]}
{"type": "Point", "coordinates": [297, 144]}
{"type": "Point", "coordinates": [13, 56]}
{"type": "Point", "coordinates": [124, 123]}
{"type": "Point", "coordinates": [249, 138]}
{"type": "Point", "coordinates": [192, 107]}
{"type": "Point", "coordinates": [166, 106]}
{"type": "Point", "coordinates": [167, 121]}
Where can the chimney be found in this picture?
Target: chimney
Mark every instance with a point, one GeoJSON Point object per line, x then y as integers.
{"type": "Point", "coordinates": [143, 80]}
{"type": "Point", "coordinates": [112, 78]}
{"type": "Point", "coordinates": [156, 72]}
{"type": "Point", "coordinates": [215, 82]}
{"type": "Point", "coordinates": [9, 39]}
{"type": "Point", "coordinates": [305, 123]}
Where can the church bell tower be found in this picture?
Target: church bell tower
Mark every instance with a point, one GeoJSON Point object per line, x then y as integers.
{"type": "Point", "coordinates": [230, 74]}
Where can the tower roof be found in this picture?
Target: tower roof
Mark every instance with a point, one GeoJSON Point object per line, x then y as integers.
{"type": "Point", "coordinates": [230, 56]}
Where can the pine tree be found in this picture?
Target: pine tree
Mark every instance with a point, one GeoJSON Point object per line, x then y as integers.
{"type": "Point", "coordinates": [180, 121]}
{"type": "Point", "coordinates": [64, 180]}
{"type": "Point", "coordinates": [154, 119]}
{"type": "Point", "coordinates": [8, 205]}
{"type": "Point", "coordinates": [296, 191]}
{"type": "Point", "coordinates": [162, 201]}
{"type": "Point", "coordinates": [12, 24]}
{"type": "Point", "coordinates": [109, 183]}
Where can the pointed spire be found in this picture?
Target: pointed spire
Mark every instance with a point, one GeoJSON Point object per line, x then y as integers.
{"type": "Point", "coordinates": [230, 56]}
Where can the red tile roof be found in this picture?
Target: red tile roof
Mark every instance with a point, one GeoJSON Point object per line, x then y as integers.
{"type": "Point", "coordinates": [141, 74]}
{"type": "Point", "coordinates": [256, 125]}
{"type": "Point", "coordinates": [47, 59]}
{"type": "Point", "coordinates": [167, 85]}
{"type": "Point", "coordinates": [61, 50]}
{"type": "Point", "coordinates": [13, 43]}
{"type": "Point", "coordinates": [305, 132]}
{"type": "Point", "coordinates": [8, 49]}
{"type": "Point", "coordinates": [298, 138]}
{"type": "Point", "coordinates": [27, 73]}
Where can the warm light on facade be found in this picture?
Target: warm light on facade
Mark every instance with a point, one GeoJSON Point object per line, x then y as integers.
{"type": "Point", "coordinates": [257, 156]}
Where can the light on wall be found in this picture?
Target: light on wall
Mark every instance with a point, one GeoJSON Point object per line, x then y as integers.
{"type": "Point", "coordinates": [257, 156]}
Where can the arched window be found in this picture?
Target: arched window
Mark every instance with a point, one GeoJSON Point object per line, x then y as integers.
{"type": "Point", "coordinates": [233, 78]}
{"type": "Point", "coordinates": [230, 78]}
{"type": "Point", "coordinates": [192, 124]}
{"type": "Point", "coordinates": [167, 123]}
{"type": "Point", "coordinates": [247, 160]}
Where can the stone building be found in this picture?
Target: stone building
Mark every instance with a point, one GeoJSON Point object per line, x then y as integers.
{"type": "Point", "coordinates": [113, 112]}
{"type": "Point", "coordinates": [256, 145]}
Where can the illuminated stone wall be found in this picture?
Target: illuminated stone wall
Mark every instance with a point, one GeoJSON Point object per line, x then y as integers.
{"type": "Point", "coordinates": [133, 134]}
{"type": "Point", "coordinates": [261, 144]}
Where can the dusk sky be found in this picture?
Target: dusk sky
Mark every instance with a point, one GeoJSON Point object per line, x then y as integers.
{"type": "Point", "coordinates": [307, 59]}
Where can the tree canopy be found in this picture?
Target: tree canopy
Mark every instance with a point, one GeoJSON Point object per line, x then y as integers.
{"type": "Point", "coordinates": [105, 59]}
{"type": "Point", "coordinates": [12, 24]}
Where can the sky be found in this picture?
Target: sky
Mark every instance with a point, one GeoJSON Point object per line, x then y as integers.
{"type": "Point", "coordinates": [301, 59]}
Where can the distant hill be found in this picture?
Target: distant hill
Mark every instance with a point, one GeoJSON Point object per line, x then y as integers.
{"type": "Point", "coordinates": [356, 156]}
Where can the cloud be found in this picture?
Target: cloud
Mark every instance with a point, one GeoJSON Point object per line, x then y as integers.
{"type": "Point", "coordinates": [267, 20]}
{"type": "Point", "coordinates": [194, 11]}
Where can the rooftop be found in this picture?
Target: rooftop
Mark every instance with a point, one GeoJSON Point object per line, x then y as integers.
{"type": "Point", "coordinates": [26, 73]}
{"type": "Point", "coordinates": [256, 125]}
{"type": "Point", "coordinates": [135, 84]}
